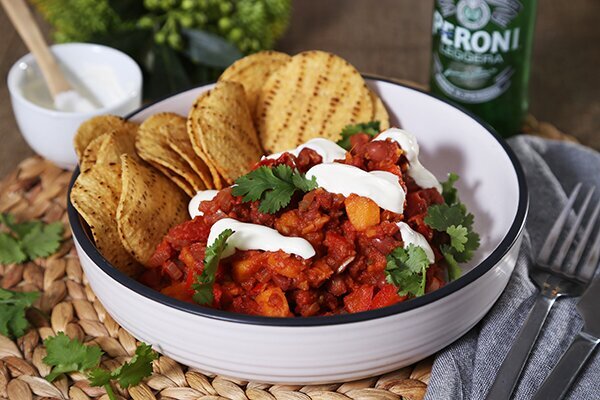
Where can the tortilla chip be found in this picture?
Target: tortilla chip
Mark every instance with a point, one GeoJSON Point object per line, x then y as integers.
{"type": "Point", "coordinates": [221, 127]}
{"type": "Point", "coordinates": [252, 72]}
{"type": "Point", "coordinates": [94, 127]}
{"type": "Point", "coordinates": [95, 195]}
{"type": "Point", "coordinates": [90, 155]}
{"type": "Point", "coordinates": [115, 143]}
{"type": "Point", "coordinates": [316, 94]}
{"type": "Point", "coordinates": [185, 150]}
{"type": "Point", "coordinates": [197, 146]}
{"type": "Point", "coordinates": [176, 179]}
{"type": "Point", "coordinates": [152, 144]}
{"type": "Point", "coordinates": [379, 112]}
{"type": "Point", "coordinates": [149, 206]}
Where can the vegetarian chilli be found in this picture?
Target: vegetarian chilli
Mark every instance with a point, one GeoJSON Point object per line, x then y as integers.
{"type": "Point", "coordinates": [319, 230]}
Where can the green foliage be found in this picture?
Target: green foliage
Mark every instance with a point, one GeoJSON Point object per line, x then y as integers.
{"type": "Point", "coordinates": [13, 323]}
{"type": "Point", "coordinates": [453, 219]}
{"type": "Point", "coordinates": [27, 240]}
{"type": "Point", "coordinates": [274, 187]}
{"type": "Point", "coordinates": [449, 192]}
{"type": "Point", "coordinates": [204, 286]}
{"type": "Point", "coordinates": [370, 128]}
{"type": "Point", "coordinates": [193, 40]}
{"type": "Point", "coordinates": [67, 355]}
{"type": "Point", "coordinates": [79, 20]}
{"type": "Point", "coordinates": [130, 373]}
{"type": "Point", "coordinates": [407, 269]}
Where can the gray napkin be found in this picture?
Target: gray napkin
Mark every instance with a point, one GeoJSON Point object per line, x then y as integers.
{"type": "Point", "coordinates": [467, 368]}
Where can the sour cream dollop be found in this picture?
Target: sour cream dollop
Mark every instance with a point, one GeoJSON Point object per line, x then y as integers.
{"type": "Point", "coordinates": [327, 149]}
{"type": "Point", "coordinates": [407, 141]}
{"type": "Point", "coordinates": [258, 237]}
{"type": "Point", "coordinates": [410, 236]}
{"type": "Point", "coordinates": [380, 186]}
{"type": "Point", "coordinates": [202, 195]}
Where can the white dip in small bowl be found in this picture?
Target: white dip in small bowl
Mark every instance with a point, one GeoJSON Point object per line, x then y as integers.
{"type": "Point", "coordinates": [107, 77]}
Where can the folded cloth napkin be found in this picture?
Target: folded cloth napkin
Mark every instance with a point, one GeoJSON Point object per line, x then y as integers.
{"type": "Point", "coordinates": [467, 368]}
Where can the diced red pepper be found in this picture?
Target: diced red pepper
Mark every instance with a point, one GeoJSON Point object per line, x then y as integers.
{"type": "Point", "coordinates": [360, 299]}
{"type": "Point", "coordinates": [386, 296]}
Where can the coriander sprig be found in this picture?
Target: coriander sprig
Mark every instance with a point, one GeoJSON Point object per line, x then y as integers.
{"type": "Point", "coordinates": [13, 305]}
{"type": "Point", "coordinates": [27, 240]}
{"type": "Point", "coordinates": [370, 128]}
{"type": "Point", "coordinates": [273, 187]}
{"type": "Point", "coordinates": [453, 219]}
{"type": "Point", "coordinates": [407, 269]}
{"type": "Point", "coordinates": [66, 355]}
{"type": "Point", "coordinates": [203, 287]}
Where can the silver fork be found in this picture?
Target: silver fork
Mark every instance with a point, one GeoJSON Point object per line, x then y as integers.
{"type": "Point", "coordinates": [554, 278]}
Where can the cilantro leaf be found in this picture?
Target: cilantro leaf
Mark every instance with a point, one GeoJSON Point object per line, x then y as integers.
{"type": "Point", "coordinates": [139, 367]}
{"type": "Point", "coordinates": [69, 355]}
{"type": "Point", "coordinates": [99, 376]}
{"type": "Point", "coordinates": [441, 216]}
{"type": "Point", "coordinates": [19, 229]}
{"type": "Point", "coordinates": [454, 271]}
{"type": "Point", "coordinates": [204, 283]}
{"type": "Point", "coordinates": [370, 128]}
{"type": "Point", "coordinates": [42, 241]}
{"type": "Point", "coordinates": [458, 237]}
{"type": "Point", "coordinates": [10, 250]}
{"type": "Point", "coordinates": [449, 192]}
{"type": "Point", "coordinates": [129, 374]}
{"type": "Point", "coordinates": [13, 305]}
{"type": "Point", "coordinates": [274, 187]}
{"type": "Point", "coordinates": [407, 269]}
{"type": "Point", "coordinates": [471, 245]}
{"type": "Point", "coordinates": [28, 240]}
{"type": "Point", "coordinates": [453, 219]}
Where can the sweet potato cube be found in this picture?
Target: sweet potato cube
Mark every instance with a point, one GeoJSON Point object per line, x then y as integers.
{"type": "Point", "coordinates": [273, 303]}
{"type": "Point", "coordinates": [244, 269]}
{"type": "Point", "coordinates": [362, 212]}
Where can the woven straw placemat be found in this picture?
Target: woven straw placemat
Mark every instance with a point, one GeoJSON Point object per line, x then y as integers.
{"type": "Point", "coordinates": [38, 189]}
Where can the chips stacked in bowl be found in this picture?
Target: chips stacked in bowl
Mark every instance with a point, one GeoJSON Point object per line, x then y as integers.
{"type": "Point", "coordinates": [136, 180]}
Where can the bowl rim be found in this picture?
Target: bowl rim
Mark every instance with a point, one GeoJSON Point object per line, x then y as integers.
{"type": "Point", "coordinates": [514, 232]}
{"type": "Point", "coordinates": [16, 91]}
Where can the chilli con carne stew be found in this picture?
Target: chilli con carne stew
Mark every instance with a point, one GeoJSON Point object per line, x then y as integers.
{"type": "Point", "coordinates": [355, 246]}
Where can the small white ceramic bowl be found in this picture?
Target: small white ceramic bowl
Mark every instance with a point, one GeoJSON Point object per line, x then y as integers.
{"type": "Point", "coordinates": [50, 132]}
{"type": "Point", "coordinates": [343, 347]}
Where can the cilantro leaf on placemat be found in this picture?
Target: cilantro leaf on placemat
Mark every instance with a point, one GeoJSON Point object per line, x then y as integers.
{"type": "Point", "coordinates": [28, 240]}
{"type": "Point", "coordinates": [205, 282]}
{"type": "Point", "coordinates": [69, 355]}
{"type": "Point", "coordinates": [130, 373]}
{"type": "Point", "coordinates": [10, 250]}
{"type": "Point", "coordinates": [407, 269]}
{"type": "Point", "coordinates": [370, 128]}
{"type": "Point", "coordinates": [274, 187]}
{"type": "Point", "coordinates": [42, 240]}
{"type": "Point", "coordinates": [66, 355]}
{"type": "Point", "coordinates": [20, 229]}
{"type": "Point", "coordinates": [453, 219]}
{"type": "Point", "coordinates": [140, 366]}
{"type": "Point", "coordinates": [13, 305]}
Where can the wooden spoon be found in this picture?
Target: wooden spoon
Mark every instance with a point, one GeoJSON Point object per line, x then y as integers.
{"type": "Point", "coordinates": [60, 89]}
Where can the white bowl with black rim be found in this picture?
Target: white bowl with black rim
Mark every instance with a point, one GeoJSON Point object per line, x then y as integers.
{"type": "Point", "coordinates": [352, 346]}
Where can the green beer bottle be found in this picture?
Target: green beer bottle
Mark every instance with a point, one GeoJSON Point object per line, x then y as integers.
{"type": "Point", "coordinates": [481, 57]}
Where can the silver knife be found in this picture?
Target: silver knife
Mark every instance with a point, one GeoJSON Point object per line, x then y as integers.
{"type": "Point", "coordinates": [564, 373]}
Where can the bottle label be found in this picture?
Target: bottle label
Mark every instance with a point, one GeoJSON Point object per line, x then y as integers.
{"type": "Point", "coordinates": [474, 43]}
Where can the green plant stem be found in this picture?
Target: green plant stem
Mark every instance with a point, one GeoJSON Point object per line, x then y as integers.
{"type": "Point", "coordinates": [110, 392]}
